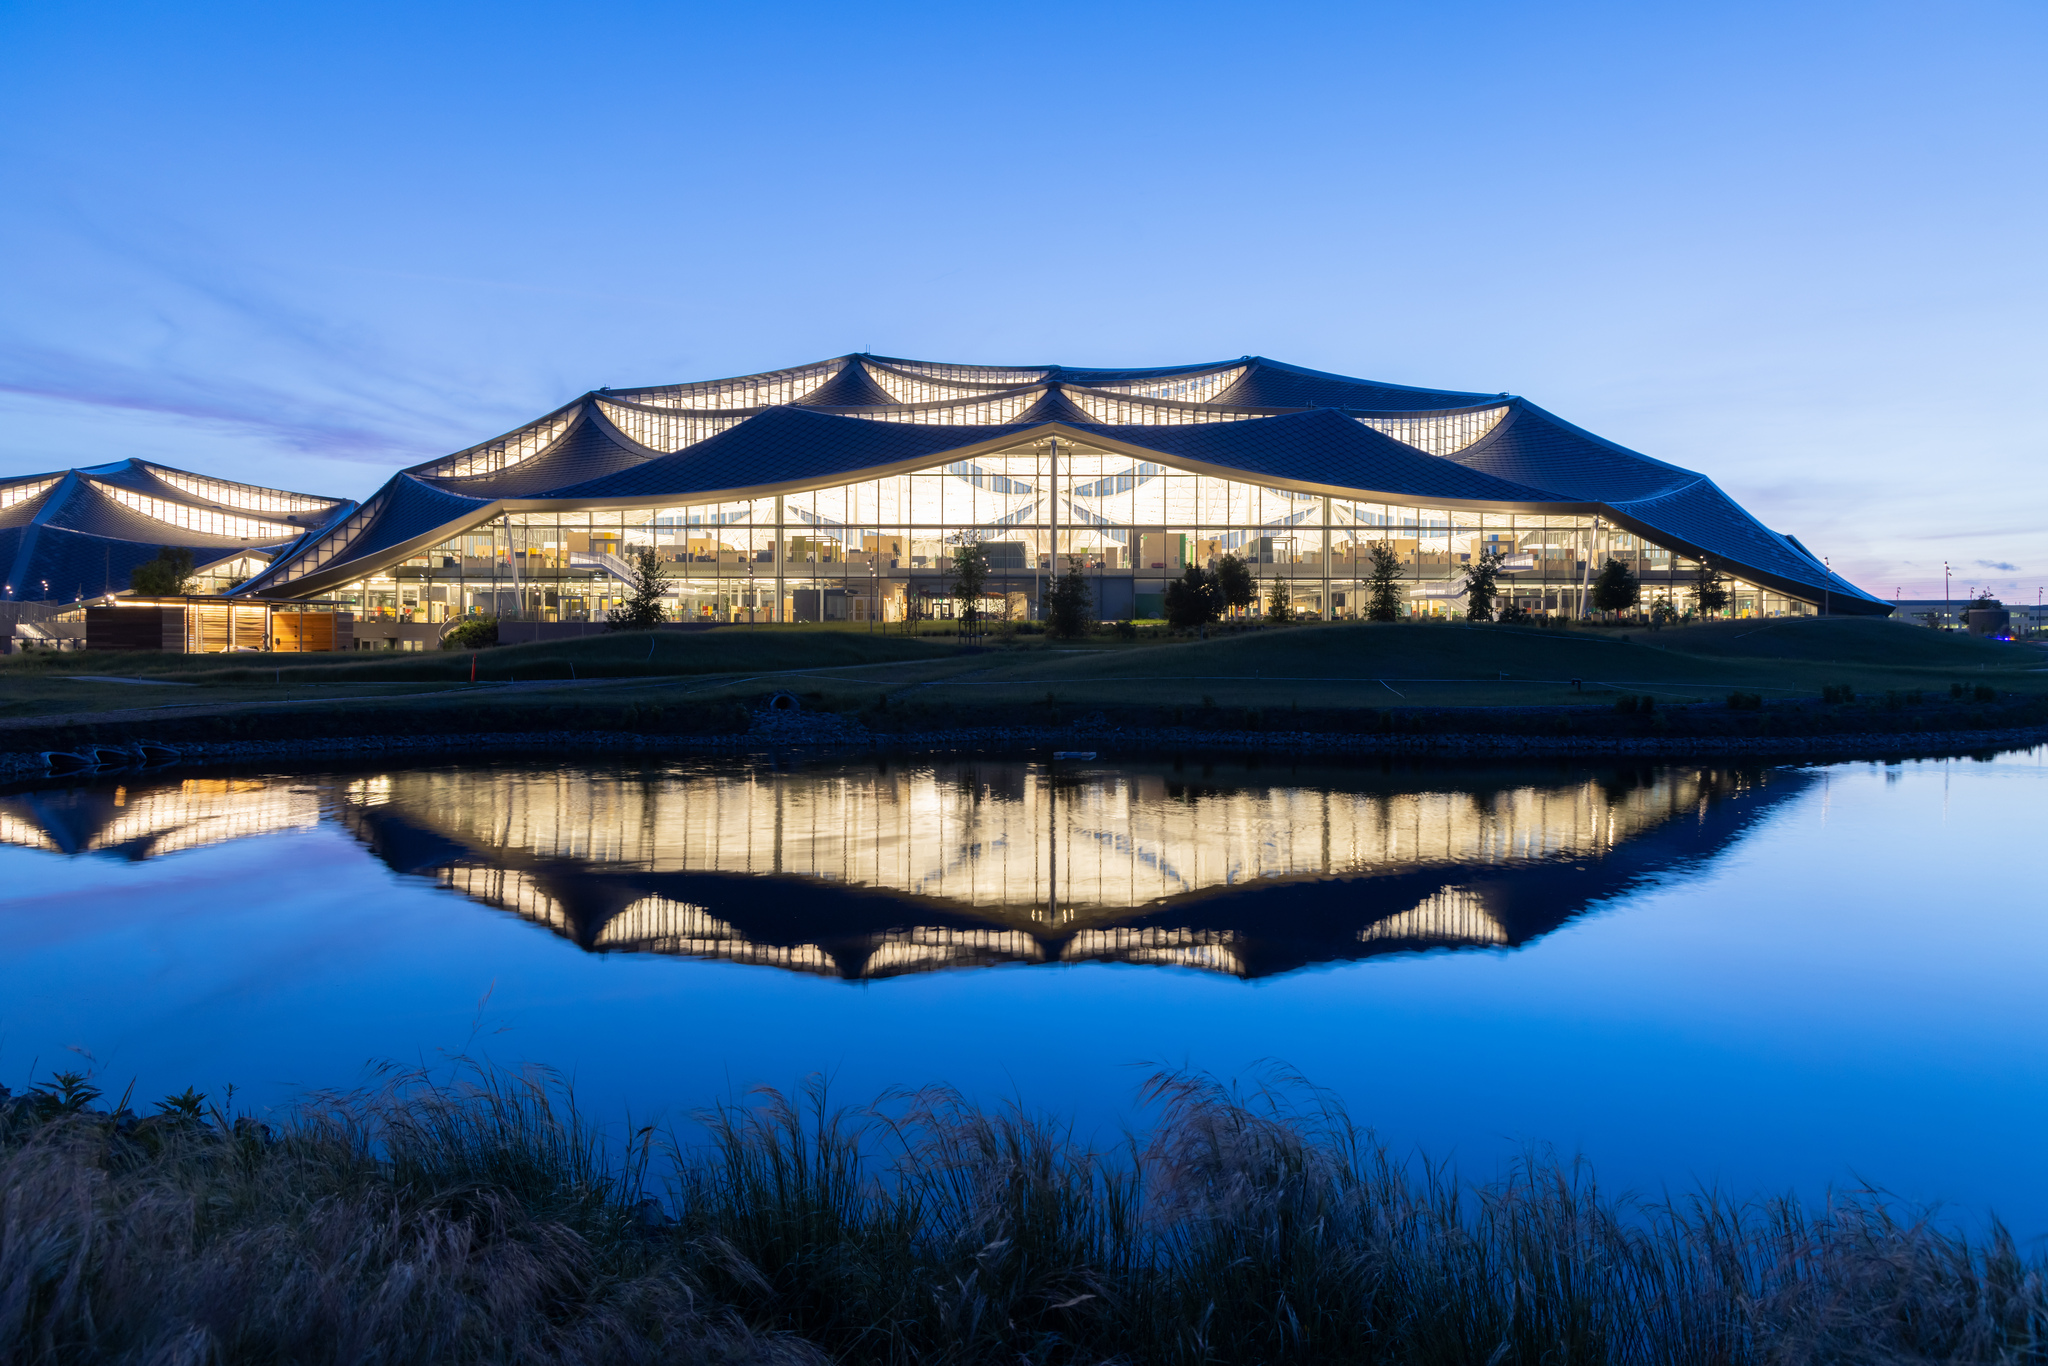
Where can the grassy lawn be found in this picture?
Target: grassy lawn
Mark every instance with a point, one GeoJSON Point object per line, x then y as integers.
{"type": "Point", "coordinates": [1311, 667]}
{"type": "Point", "coordinates": [1437, 666]}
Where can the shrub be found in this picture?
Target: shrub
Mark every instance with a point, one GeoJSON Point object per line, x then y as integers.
{"type": "Point", "coordinates": [1838, 694]}
{"type": "Point", "coordinates": [472, 633]}
{"type": "Point", "coordinates": [1745, 701]}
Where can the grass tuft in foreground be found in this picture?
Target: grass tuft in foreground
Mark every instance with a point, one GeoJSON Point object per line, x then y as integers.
{"type": "Point", "coordinates": [489, 1222]}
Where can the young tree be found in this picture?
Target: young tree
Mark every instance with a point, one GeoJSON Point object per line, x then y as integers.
{"type": "Point", "coordinates": [1234, 583]}
{"type": "Point", "coordinates": [1709, 590]}
{"type": "Point", "coordinates": [1280, 604]}
{"type": "Point", "coordinates": [1482, 575]}
{"type": "Point", "coordinates": [970, 583]}
{"type": "Point", "coordinates": [1616, 589]}
{"type": "Point", "coordinates": [169, 575]}
{"type": "Point", "coordinates": [1193, 600]}
{"type": "Point", "coordinates": [642, 610]}
{"type": "Point", "coordinates": [1383, 584]}
{"type": "Point", "coordinates": [1069, 603]}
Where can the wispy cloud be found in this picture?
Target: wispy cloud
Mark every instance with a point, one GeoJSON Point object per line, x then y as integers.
{"type": "Point", "coordinates": [1998, 564]}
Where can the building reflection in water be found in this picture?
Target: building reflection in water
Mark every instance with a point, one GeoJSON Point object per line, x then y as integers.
{"type": "Point", "coordinates": [145, 817]}
{"type": "Point", "coordinates": [884, 868]}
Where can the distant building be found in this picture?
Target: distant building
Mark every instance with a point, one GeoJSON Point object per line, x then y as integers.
{"type": "Point", "coordinates": [839, 491]}
{"type": "Point", "coordinates": [72, 535]}
{"type": "Point", "coordinates": [2027, 619]}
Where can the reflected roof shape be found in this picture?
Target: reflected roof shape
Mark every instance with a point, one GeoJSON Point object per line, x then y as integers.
{"type": "Point", "coordinates": [843, 871]}
{"type": "Point", "coordinates": [863, 416]}
{"type": "Point", "coordinates": [848, 871]}
{"type": "Point", "coordinates": [80, 533]}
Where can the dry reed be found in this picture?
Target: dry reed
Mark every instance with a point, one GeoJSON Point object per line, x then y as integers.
{"type": "Point", "coordinates": [487, 1221]}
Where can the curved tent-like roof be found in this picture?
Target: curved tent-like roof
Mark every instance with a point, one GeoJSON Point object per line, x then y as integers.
{"type": "Point", "coordinates": [863, 416]}
{"type": "Point", "coordinates": [73, 534]}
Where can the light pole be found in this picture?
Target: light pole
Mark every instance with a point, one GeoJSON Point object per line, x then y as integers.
{"type": "Point", "coordinates": [1944, 595]}
{"type": "Point", "coordinates": [1830, 568]}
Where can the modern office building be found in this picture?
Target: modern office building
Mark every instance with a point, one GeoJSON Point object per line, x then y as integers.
{"type": "Point", "coordinates": [73, 535]}
{"type": "Point", "coordinates": [838, 492]}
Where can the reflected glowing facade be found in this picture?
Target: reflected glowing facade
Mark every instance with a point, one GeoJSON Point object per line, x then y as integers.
{"type": "Point", "coordinates": [838, 490]}
{"type": "Point", "coordinates": [860, 872]}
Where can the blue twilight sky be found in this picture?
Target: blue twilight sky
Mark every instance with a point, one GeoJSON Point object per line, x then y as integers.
{"type": "Point", "coordinates": [1797, 246]}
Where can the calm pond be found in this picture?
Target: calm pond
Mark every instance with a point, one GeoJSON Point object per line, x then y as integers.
{"type": "Point", "coordinates": [1763, 977]}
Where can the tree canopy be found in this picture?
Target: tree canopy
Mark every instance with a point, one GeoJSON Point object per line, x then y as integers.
{"type": "Point", "coordinates": [1193, 599]}
{"type": "Point", "coordinates": [1616, 589]}
{"type": "Point", "coordinates": [169, 575]}
{"type": "Point", "coordinates": [1234, 583]}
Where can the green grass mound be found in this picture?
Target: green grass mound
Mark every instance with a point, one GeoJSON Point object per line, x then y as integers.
{"type": "Point", "coordinates": [1845, 640]}
{"type": "Point", "coordinates": [622, 654]}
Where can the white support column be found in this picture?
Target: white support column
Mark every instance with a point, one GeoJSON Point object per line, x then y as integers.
{"type": "Point", "coordinates": [779, 593]}
{"type": "Point", "coordinates": [1329, 520]}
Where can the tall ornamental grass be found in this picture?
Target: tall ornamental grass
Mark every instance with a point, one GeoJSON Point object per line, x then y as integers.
{"type": "Point", "coordinates": [485, 1220]}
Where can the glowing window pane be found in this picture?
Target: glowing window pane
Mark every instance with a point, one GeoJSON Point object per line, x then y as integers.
{"type": "Point", "coordinates": [666, 431]}
{"type": "Point", "coordinates": [747, 391]}
{"type": "Point", "coordinates": [494, 456]}
{"type": "Point", "coordinates": [1180, 388]}
{"type": "Point", "coordinates": [21, 493]}
{"type": "Point", "coordinates": [205, 521]}
{"type": "Point", "coordinates": [1132, 412]}
{"type": "Point", "coordinates": [250, 496]}
{"type": "Point", "coordinates": [1440, 434]}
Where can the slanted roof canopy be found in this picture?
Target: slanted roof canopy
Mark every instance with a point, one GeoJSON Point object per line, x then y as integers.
{"type": "Point", "coordinates": [80, 533]}
{"type": "Point", "coordinates": [859, 417]}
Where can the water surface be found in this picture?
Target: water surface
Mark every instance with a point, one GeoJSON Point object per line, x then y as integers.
{"type": "Point", "coordinates": [1764, 977]}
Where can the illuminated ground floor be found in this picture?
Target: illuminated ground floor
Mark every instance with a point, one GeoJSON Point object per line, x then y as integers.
{"type": "Point", "coordinates": [570, 567]}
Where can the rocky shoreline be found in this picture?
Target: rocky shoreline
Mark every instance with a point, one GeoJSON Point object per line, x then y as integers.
{"type": "Point", "coordinates": [826, 732]}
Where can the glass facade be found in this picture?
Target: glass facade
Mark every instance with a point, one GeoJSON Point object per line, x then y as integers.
{"type": "Point", "coordinates": [878, 550]}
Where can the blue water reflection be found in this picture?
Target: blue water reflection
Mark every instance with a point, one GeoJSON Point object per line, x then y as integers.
{"type": "Point", "coordinates": [1763, 977]}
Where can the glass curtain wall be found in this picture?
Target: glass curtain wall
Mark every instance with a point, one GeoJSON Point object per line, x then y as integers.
{"type": "Point", "coordinates": [879, 550]}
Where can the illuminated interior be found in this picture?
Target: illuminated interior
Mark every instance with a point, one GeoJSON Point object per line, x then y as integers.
{"type": "Point", "coordinates": [879, 550]}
